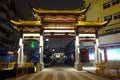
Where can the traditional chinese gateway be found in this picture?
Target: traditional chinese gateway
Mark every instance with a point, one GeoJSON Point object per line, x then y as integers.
{"type": "Point", "coordinates": [59, 23]}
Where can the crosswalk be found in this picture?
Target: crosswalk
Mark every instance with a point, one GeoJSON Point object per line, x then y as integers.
{"type": "Point", "coordinates": [59, 74]}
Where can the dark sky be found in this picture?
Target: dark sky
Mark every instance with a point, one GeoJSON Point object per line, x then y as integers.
{"type": "Point", "coordinates": [24, 10]}
{"type": "Point", "coordinates": [57, 4]}
{"type": "Point", "coordinates": [23, 7]}
{"type": "Point", "coordinates": [58, 42]}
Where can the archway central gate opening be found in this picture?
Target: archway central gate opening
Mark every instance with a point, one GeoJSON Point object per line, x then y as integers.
{"type": "Point", "coordinates": [59, 49]}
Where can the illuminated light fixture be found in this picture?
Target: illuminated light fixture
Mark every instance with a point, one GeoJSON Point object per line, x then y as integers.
{"type": "Point", "coordinates": [31, 34]}
{"type": "Point", "coordinates": [59, 34]}
{"type": "Point", "coordinates": [20, 41]}
{"type": "Point", "coordinates": [77, 41]}
{"type": "Point", "coordinates": [97, 42]}
{"type": "Point", "coordinates": [53, 50]}
{"type": "Point", "coordinates": [46, 39]}
{"type": "Point", "coordinates": [33, 44]}
{"type": "Point", "coordinates": [40, 50]}
{"type": "Point", "coordinates": [84, 38]}
{"type": "Point", "coordinates": [59, 31]}
{"type": "Point", "coordinates": [59, 27]}
{"type": "Point", "coordinates": [71, 34]}
{"type": "Point", "coordinates": [10, 52]}
{"type": "Point", "coordinates": [47, 34]}
{"type": "Point", "coordinates": [89, 35]}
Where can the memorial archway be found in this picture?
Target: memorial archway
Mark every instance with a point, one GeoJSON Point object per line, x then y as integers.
{"type": "Point", "coordinates": [61, 22]}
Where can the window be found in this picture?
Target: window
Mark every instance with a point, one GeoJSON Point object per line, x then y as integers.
{"type": "Point", "coordinates": [92, 54]}
{"type": "Point", "coordinates": [107, 18]}
{"type": "Point", "coordinates": [113, 53]}
{"type": "Point", "coordinates": [116, 16]}
{"type": "Point", "coordinates": [106, 5]}
{"type": "Point", "coordinates": [114, 2]}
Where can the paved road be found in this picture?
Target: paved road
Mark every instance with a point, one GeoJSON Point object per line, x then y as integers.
{"type": "Point", "coordinates": [60, 73]}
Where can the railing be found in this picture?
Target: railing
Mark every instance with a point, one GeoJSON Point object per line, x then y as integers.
{"type": "Point", "coordinates": [110, 69]}
{"type": "Point", "coordinates": [6, 65]}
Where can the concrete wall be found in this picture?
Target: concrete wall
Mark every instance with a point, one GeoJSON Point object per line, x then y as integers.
{"type": "Point", "coordinates": [113, 38]}
{"type": "Point", "coordinates": [94, 11]}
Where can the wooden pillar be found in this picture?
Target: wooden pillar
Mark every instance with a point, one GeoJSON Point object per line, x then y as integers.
{"type": "Point", "coordinates": [20, 54]}
{"type": "Point", "coordinates": [41, 50]}
{"type": "Point", "coordinates": [105, 55]}
{"type": "Point", "coordinates": [97, 50]}
{"type": "Point", "coordinates": [77, 64]}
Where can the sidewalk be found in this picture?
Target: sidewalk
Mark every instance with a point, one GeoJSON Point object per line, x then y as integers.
{"type": "Point", "coordinates": [91, 69]}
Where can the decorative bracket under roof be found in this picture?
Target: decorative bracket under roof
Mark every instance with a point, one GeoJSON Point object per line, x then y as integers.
{"type": "Point", "coordinates": [90, 27]}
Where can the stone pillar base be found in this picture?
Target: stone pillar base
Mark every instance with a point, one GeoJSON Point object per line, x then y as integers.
{"type": "Point", "coordinates": [38, 67]}
{"type": "Point", "coordinates": [94, 64]}
{"type": "Point", "coordinates": [41, 66]}
{"type": "Point", "coordinates": [78, 66]}
{"type": "Point", "coordinates": [16, 65]}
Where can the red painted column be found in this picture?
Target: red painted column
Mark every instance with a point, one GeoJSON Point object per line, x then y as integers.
{"type": "Point", "coordinates": [105, 55]}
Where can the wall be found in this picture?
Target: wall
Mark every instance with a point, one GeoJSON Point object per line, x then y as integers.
{"type": "Point", "coordinates": [94, 12]}
{"type": "Point", "coordinates": [113, 38]}
{"type": "Point", "coordinates": [107, 39]}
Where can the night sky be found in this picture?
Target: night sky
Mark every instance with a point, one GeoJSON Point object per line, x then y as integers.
{"type": "Point", "coordinates": [24, 9]}
{"type": "Point", "coordinates": [58, 42]}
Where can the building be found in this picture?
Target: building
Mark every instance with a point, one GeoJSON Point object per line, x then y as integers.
{"type": "Point", "coordinates": [109, 36]}
{"type": "Point", "coordinates": [9, 37]}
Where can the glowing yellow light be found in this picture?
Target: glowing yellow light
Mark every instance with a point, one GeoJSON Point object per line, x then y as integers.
{"type": "Point", "coordinates": [10, 52]}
